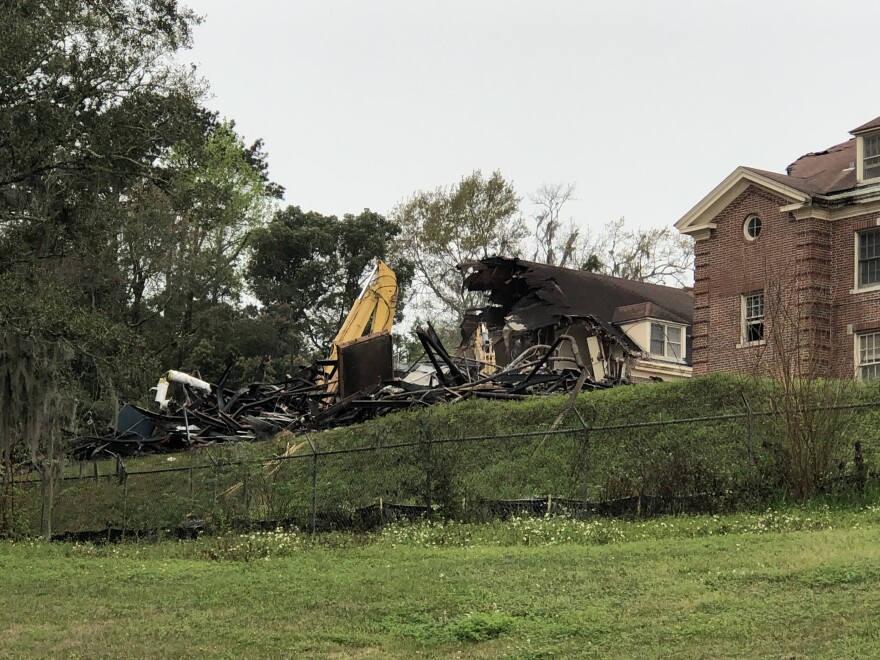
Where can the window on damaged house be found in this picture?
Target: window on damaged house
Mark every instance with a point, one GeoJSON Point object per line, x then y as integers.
{"type": "Point", "coordinates": [868, 253]}
{"type": "Point", "coordinates": [666, 341]}
{"type": "Point", "coordinates": [753, 317]}
{"type": "Point", "coordinates": [869, 356]}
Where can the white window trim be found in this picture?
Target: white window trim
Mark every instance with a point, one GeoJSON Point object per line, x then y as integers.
{"type": "Point", "coordinates": [742, 321]}
{"type": "Point", "coordinates": [856, 288]}
{"type": "Point", "coordinates": [860, 158]}
{"type": "Point", "coordinates": [857, 354]}
{"type": "Point", "coordinates": [665, 358]}
{"type": "Point", "coordinates": [752, 239]}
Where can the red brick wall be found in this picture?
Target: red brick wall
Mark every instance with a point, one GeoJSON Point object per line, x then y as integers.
{"type": "Point", "coordinates": [861, 310]}
{"type": "Point", "coordinates": [806, 271]}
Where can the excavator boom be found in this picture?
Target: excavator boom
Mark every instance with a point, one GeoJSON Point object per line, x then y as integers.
{"type": "Point", "coordinates": [373, 310]}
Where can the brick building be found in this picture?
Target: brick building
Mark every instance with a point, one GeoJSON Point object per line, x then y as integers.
{"type": "Point", "coordinates": [787, 272]}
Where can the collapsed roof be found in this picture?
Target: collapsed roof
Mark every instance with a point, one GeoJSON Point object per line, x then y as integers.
{"type": "Point", "coordinates": [535, 295]}
{"type": "Point", "coordinates": [530, 303]}
{"type": "Point", "coordinates": [557, 331]}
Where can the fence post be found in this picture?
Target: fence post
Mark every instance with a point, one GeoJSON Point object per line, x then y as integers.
{"type": "Point", "coordinates": [7, 497]}
{"type": "Point", "coordinates": [585, 462]}
{"type": "Point", "coordinates": [42, 501]}
{"type": "Point", "coordinates": [191, 489]}
{"type": "Point", "coordinates": [124, 506]}
{"type": "Point", "coordinates": [750, 422]}
{"type": "Point", "coordinates": [245, 495]}
{"type": "Point", "coordinates": [314, 484]}
{"type": "Point", "coordinates": [428, 457]}
{"type": "Point", "coordinates": [216, 484]}
{"type": "Point", "coordinates": [50, 472]}
{"type": "Point", "coordinates": [216, 467]}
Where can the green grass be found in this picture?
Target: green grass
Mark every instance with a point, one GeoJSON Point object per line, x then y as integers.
{"type": "Point", "coordinates": [790, 583]}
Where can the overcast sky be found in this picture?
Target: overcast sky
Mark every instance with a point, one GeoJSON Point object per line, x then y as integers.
{"type": "Point", "coordinates": [646, 106]}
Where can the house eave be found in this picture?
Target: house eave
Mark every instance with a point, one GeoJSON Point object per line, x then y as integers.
{"type": "Point", "coordinates": [698, 221]}
{"type": "Point", "coordinates": [644, 368]}
{"type": "Point", "coordinates": [838, 206]}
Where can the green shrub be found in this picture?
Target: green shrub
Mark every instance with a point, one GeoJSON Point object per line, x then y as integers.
{"type": "Point", "coordinates": [481, 626]}
{"type": "Point", "coordinates": [620, 455]}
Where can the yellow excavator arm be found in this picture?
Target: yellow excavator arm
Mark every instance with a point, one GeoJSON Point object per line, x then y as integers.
{"type": "Point", "coordinates": [372, 312]}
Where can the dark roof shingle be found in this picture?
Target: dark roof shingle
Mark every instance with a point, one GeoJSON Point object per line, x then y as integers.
{"type": "Point", "coordinates": [821, 172]}
{"type": "Point", "coordinates": [874, 123]}
{"type": "Point", "coordinates": [540, 295]}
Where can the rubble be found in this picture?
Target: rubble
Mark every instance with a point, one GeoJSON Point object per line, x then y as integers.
{"type": "Point", "coordinates": [300, 403]}
{"type": "Point", "coordinates": [611, 319]}
{"type": "Point", "coordinates": [544, 330]}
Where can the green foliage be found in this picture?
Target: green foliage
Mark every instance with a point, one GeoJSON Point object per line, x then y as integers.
{"type": "Point", "coordinates": [306, 269]}
{"type": "Point", "coordinates": [683, 466]}
{"type": "Point", "coordinates": [672, 462]}
{"type": "Point", "coordinates": [475, 218]}
{"type": "Point", "coordinates": [476, 627]}
{"type": "Point", "coordinates": [187, 273]}
{"type": "Point", "coordinates": [810, 436]}
{"type": "Point", "coordinates": [125, 206]}
{"type": "Point", "coordinates": [546, 531]}
{"type": "Point", "coordinates": [254, 546]}
{"type": "Point", "coordinates": [90, 101]}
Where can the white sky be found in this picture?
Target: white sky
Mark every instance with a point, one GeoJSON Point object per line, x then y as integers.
{"type": "Point", "coordinates": [646, 106]}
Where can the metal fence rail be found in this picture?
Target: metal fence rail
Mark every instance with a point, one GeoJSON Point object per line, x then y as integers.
{"type": "Point", "coordinates": [587, 466]}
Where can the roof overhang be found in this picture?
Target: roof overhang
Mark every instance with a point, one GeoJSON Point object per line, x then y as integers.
{"type": "Point", "coordinates": [699, 220]}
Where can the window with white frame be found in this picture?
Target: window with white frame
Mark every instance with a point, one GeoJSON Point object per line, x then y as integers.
{"type": "Point", "coordinates": [868, 256]}
{"type": "Point", "coordinates": [871, 156]}
{"type": "Point", "coordinates": [869, 356]}
{"type": "Point", "coordinates": [752, 317]}
{"type": "Point", "coordinates": [666, 341]}
{"type": "Point", "coordinates": [752, 227]}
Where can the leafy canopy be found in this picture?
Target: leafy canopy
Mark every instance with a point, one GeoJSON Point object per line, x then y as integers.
{"type": "Point", "coordinates": [475, 218]}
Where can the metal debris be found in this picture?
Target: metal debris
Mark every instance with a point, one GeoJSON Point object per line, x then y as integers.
{"type": "Point", "coordinates": [302, 403]}
{"type": "Point", "coordinates": [543, 330]}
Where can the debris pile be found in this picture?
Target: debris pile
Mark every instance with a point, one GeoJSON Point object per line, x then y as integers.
{"type": "Point", "coordinates": [626, 331]}
{"type": "Point", "coordinates": [543, 330]}
{"type": "Point", "coordinates": [213, 413]}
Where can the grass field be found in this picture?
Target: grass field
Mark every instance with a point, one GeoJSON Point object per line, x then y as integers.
{"type": "Point", "coordinates": [792, 583]}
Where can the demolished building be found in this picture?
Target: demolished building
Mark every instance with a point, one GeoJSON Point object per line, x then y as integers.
{"type": "Point", "coordinates": [619, 329]}
{"type": "Point", "coordinates": [543, 330]}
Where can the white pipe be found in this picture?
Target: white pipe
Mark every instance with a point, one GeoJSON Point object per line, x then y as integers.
{"type": "Point", "coordinates": [186, 379]}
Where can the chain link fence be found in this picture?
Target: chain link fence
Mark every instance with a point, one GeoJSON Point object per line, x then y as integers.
{"type": "Point", "coordinates": [585, 465]}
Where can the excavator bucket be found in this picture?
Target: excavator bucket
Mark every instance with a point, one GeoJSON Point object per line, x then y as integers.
{"type": "Point", "coordinates": [371, 314]}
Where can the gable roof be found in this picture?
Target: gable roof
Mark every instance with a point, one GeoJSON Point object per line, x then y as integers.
{"type": "Point", "coordinates": [811, 178]}
{"type": "Point", "coordinates": [803, 185]}
{"type": "Point", "coordinates": [539, 295]}
{"type": "Point", "coordinates": [821, 172]}
{"type": "Point", "coordinates": [700, 217]}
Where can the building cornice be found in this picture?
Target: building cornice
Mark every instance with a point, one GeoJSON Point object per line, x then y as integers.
{"type": "Point", "coordinates": [698, 222]}
{"type": "Point", "coordinates": [818, 212]}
